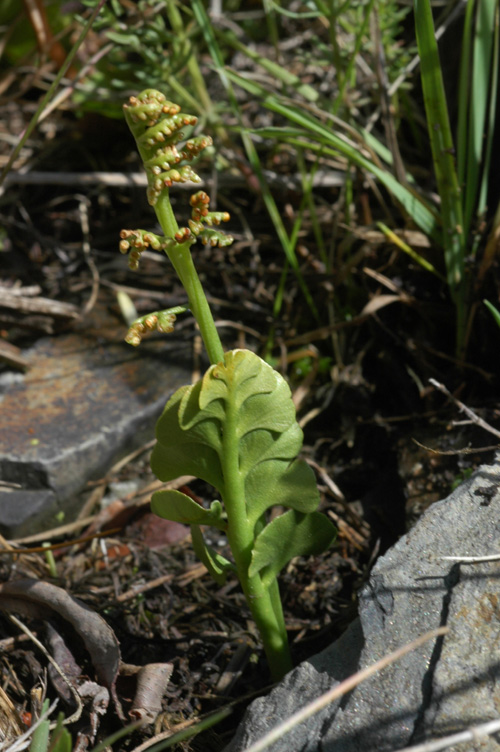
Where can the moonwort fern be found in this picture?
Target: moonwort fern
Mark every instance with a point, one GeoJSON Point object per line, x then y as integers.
{"type": "Point", "coordinates": [236, 427]}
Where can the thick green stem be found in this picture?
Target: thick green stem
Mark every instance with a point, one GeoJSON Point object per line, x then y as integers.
{"type": "Point", "coordinates": [264, 603]}
{"type": "Point", "coordinates": [180, 256]}
{"type": "Point", "coordinates": [272, 631]}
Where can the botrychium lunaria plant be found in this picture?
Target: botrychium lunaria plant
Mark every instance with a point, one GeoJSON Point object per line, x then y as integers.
{"type": "Point", "coordinates": [236, 427]}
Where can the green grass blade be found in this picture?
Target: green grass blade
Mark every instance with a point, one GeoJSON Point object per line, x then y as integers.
{"type": "Point", "coordinates": [274, 69]}
{"type": "Point", "coordinates": [204, 723]}
{"type": "Point", "coordinates": [438, 126]}
{"type": "Point", "coordinates": [279, 133]}
{"type": "Point", "coordinates": [40, 738]}
{"type": "Point", "coordinates": [279, 295]}
{"type": "Point", "coordinates": [463, 93]}
{"type": "Point", "coordinates": [125, 731]}
{"type": "Point", "coordinates": [287, 243]}
{"type": "Point", "coordinates": [399, 242]}
{"type": "Point", "coordinates": [292, 14]}
{"type": "Point", "coordinates": [186, 50]}
{"type": "Point", "coordinates": [206, 28]}
{"type": "Point", "coordinates": [382, 151]}
{"type": "Point", "coordinates": [307, 190]}
{"type": "Point", "coordinates": [481, 75]}
{"type": "Point", "coordinates": [490, 128]}
{"type": "Point", "coordinates": [253, 157]}
{"type": "Point", "coordinates": [416, 207]}
{"type": "Point", "coordinates": [359, 31]}
{"type": "Point", "coordinates": [494, 311]}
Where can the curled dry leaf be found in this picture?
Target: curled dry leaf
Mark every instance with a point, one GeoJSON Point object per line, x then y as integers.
{"type": "Point", "coordinates": [66, 662]}
{"type": "Point", "coordinates": [152, 680]}
{"type": "Point", "coordinates": [37, 599]}
{"type": "Point", "coordinates": [381, 301]}
{"type": "Point", "coordinates": [98, 699]}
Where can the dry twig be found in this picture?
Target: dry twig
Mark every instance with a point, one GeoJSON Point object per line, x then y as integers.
{"type": "Point", "coordinates": [463, 408]}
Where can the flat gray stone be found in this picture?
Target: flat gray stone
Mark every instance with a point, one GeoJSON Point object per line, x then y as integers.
{"type": "Point", "coordinates": [308, 681]}
{"type": "Point", "coordinates": [448, 684]}
{"type": "Point", "coordinates": [86, 400]}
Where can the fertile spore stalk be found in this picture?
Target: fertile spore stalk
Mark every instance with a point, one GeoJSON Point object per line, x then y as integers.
{"type": "Point", "coordinates": [156, 125]}
{"type": "Point", "coordinates": [236, 427]}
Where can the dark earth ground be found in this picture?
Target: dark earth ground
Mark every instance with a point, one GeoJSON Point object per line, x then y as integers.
{"type": "Point", "coordinates": [361, 389]}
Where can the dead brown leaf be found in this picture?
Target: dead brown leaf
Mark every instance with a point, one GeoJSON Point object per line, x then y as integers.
{"type": "Point", "coordinates": [37, 599]}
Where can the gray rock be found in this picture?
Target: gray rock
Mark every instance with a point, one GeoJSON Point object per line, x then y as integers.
{"type": "Point", "coordinates": [86, 401]}
{"type": "Point", "coordinates": [446, 685]}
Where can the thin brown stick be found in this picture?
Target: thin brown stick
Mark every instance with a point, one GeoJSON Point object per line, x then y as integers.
{"type": "Point", "coordinates": [465, 450]}
{"type": "Point", "coordinates": [83, 207]}
{"type": "Point", "coordinates": [138, 589]}
{"type": "Point", "coordinates": [13, 356]}
{"type": "Point", "coordinates": [25, 304]}
{"type": "Point", "coordinates": [463, 408]}
{"type": "Point", "coordinates": [54, 532]}
{"type": "Point", "coordinates": [56, 546]}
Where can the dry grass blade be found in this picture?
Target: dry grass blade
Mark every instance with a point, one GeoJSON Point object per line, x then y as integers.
{"type": "Point", "coordinates": [54, 532]}
{"type": "Point", "coordinates": [11, 726]}
{"type": "Point", "coordinates": [341, 689]}
{"type": "Point", "coordinates": [471, 559]}
{"type": "Point", "coordinates": [184, 731]}
{"type": "Point", "coordinates": [76, 697]}
{"type": "Point", "coordinates": [57, 546]}
{"type": "Point", "coordinates": [473, 734]}
{"type": "Point", "coordinates": [23, 741]}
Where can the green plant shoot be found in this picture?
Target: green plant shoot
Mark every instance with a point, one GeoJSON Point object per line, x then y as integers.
{"type": "Point", "coordinates": [236, 427]}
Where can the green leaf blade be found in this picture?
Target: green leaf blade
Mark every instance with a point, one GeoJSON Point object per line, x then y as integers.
{"type": "Point", "coordinates": [264, 437]}
{"type": "Point", "coordinates": [179, 507]}
{"type": "Point", "coordinates": [237, 428]}
{"type": "Point", "coordinates": [289, 535]}
{"type": "Point", "coordinates": [261, 445]}
{"type": "Point", "coordinates": [186, 452]}
{"type": "Point", "coordinates": [277, 482]}
{"type": "Point", "coordinates": [218, 566]}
